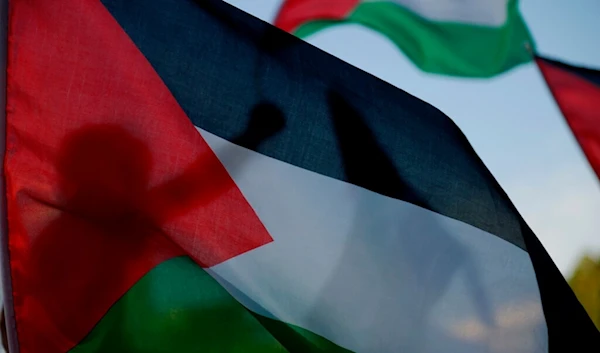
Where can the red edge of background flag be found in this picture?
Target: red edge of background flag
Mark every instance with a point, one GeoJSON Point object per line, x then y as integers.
{"type": "Point", "coordinates": [293, 13]}
{"type": "Point", "coordinates": [577, 93]}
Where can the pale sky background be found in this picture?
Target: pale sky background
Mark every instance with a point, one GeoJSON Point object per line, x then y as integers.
{"type": "Point", "coordinates": [512, 121]}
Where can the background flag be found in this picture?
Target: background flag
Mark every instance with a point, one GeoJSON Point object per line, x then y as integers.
{"type": "Point", "coordinates": [186, 177]}
{"type": "Point", "coordinates": [470, 38]}
{"type": "Point", "coordinates": [577, 92]}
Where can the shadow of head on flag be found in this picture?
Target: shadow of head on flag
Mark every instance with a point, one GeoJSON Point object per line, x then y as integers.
{"type": "Point", "coordinates": [111, 222]}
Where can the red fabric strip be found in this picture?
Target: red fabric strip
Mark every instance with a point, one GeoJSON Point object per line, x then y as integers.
{"type": "Point", "coordinates": [294, 13]}
{"type": "Point", "coordinates": [579, 101]}
{"type": "Point", "coordinates": [106, 175]}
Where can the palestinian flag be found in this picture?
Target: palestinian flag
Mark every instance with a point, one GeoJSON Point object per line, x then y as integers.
{"type": "Point", "coordinates": [472, 38]}
{"type": "Point", "coordinates": [577, 93]}
{"type": "Point", "coordinates": [182, 177]}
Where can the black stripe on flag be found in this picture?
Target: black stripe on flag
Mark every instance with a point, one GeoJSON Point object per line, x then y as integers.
{"type": "Point", "coordinates": [220, 63]}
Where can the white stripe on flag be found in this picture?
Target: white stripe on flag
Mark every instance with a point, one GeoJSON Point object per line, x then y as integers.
{"type": "Point", "coordinates": [375, 274]}
{"type": "Point", "coordinates": [477, 12]}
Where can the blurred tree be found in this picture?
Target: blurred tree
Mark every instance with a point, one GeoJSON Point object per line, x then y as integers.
{"type": "Point", "coordinates": [585, 282]}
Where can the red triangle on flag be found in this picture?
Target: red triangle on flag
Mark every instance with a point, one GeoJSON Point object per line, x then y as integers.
{"type": "Point", "coordinates": [106, 175]}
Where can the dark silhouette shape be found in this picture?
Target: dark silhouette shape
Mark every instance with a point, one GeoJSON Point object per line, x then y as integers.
{"type": "Point", "coordinates": [258, 130]}
{"type": "Point", "coordinates": [110, 221]}
{"type": "Point", "coordinates": [366, 164]}
{"type": "Point", "coordinates": [265, 121]}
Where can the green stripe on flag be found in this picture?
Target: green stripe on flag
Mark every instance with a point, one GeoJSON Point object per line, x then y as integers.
{"type": "Point", "coordinates": [178, 307]}
{"type": "Point", "coordinates": [448, 48]}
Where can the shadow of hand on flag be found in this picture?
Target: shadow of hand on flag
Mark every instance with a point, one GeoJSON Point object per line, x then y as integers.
{"type": "Point", "coordinates": [198, 185]}
{"type": "Point", "coordinates": [109, 225]}
{"type": "Point", "coordinates": [427, 262]}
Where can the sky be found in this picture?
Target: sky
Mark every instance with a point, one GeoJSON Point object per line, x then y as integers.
{"type": "Point", "coordinates": [512, 120]}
